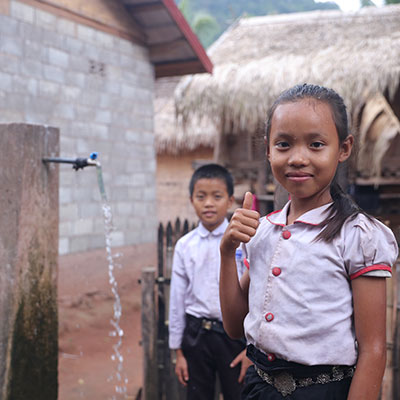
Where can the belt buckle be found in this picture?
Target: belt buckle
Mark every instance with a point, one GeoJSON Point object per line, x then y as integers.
{"type": "Point", "coordinates": [207, 325]}
{"type": "Point", "coordinates": [284, 383]}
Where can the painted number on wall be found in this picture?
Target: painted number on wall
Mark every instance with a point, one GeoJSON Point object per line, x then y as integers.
{"type": "Point", "coordinates": [97, 68]}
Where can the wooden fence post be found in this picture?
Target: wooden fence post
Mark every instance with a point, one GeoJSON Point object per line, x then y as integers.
{"type": "Point", "coordinates": [174, 390]}
{"type": "Point", "coordinates": [149, 336]}
{"type": "Point", "coordinates": [161, 329]}
{"type": "Point", "coordinates": [177, 230]}
{"type": "Point", "coordinates": [166, 385]}
{"type": "Point", "coordinates": [185, 227]}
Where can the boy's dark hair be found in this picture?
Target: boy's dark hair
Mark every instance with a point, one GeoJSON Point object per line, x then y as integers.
{"type": "Point", "coordinates": [212, 171]}
{"type": "Point", "coordinates": [343, 206]}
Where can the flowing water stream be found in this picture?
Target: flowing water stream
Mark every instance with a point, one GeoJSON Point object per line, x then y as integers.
{"type": "Point", "coordinates": [119, 377]}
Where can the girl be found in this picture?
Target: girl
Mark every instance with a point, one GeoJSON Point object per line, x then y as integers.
{"type": "Point", "coordinates": [313, 303]}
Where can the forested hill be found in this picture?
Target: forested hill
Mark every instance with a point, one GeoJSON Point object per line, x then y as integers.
{"type": "Point", "coordinates": [209, 18]}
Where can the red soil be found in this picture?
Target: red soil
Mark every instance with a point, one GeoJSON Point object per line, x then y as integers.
{"type": "Point", "coordinates": [85, 310]}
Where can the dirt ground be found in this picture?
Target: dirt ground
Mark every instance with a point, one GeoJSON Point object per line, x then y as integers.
{"type": "Point", "coordinates": [86, 370]}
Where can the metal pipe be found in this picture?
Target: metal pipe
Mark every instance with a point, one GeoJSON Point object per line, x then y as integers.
{"type": "Point", "coordinates": [77, 163]}
{"type": "Point", "coordinates": [59, 160]}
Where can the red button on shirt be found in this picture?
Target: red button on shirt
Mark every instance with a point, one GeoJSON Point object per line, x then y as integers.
{"type": "Point", "coordinates": [271, 357]}
{"type": "Point", "coordinates": [276, 271]}
{"type": "Point", "coordinates": [286, 234]}
{"type": "Point", "coordinates": [269, 317]}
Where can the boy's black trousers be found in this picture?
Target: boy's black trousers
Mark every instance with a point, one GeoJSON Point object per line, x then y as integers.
{"type": "Point", "coordinates": [208, 350]}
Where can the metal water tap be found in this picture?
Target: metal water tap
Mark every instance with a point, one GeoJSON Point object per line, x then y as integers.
{"type": "Point", "coordinates": [77, 163]}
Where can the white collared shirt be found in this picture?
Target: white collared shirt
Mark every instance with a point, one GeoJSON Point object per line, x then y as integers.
{"type": "Point", "coordinates": [300, 299]}
{"type": "Point", "coordinates": [195, 279]}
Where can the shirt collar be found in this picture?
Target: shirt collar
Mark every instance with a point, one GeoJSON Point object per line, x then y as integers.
{"type": "Point", "coordinates": [312, 217]}
{"type": "Point", "coordinates": [218, 231]}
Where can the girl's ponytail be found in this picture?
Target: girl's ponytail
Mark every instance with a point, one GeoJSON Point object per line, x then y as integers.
{"type": "Point", "coordinates": [343, 208]}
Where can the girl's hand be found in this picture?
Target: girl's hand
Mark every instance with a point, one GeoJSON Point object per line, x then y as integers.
{"type": "Point", "coordinates": [233, 295]}
{"type": "Point", "coordinates": [245, 363]}
{"type": "Point", "coordinates": [242, 227]}
{"type": "Point", "coordinates": [181, 368]}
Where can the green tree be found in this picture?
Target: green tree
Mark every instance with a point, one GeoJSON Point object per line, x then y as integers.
{"type": "Point", "coordinates": [392, 2]}
{"type": "Point", "coordinates": [185, 8]}
{"type": "Point", "coordinates": [204, 25]}
{"type": "Point", "coordinates": [366, 3]}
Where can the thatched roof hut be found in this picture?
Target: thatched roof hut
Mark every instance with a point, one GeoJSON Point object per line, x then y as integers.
{"type": "Point", "coordinates": [357, 54]}
{"type": "Point", "coordinates": [171, 136]}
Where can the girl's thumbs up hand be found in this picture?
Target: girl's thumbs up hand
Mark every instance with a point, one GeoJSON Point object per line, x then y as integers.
{"type": "Point", "coordinates": [248, 201]}
{"type": "Point", "coordinates": [242, 227]}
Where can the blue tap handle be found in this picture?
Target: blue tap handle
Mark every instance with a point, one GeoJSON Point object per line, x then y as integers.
{"type": "Point", "coordinates": [93, 156]}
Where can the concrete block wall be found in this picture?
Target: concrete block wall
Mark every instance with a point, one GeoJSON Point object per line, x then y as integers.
{"type": "Point", "coordinates": [98, 90]}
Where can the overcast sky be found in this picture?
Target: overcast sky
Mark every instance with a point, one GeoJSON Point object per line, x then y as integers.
{"type": "Point", "coordinates": [351, 5]}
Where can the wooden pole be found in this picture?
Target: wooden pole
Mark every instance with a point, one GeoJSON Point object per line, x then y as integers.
{"type": "Point", "coordinates": [175, 391]}
{"type": "Point", "coordinates": [172, 392]}
{"type": "Point", "coordinates": [149, 337]}
{"type": "Point", "coordinates": [161, 330]}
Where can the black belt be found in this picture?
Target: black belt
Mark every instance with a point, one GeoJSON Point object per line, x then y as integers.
{"type": "Point", "coordinates": [287, 376]}
{"type": "Point", "coordinates": [207, 324]}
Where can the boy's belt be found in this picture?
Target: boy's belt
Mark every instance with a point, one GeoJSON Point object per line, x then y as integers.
{"type": "Point", "coordinates": [212, 325]}
{"type": "Point", "coordinates": [205, 323]}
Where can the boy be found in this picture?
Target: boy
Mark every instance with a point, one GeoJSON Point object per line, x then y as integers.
{"type": "Point", "coordinates": [195, 328]}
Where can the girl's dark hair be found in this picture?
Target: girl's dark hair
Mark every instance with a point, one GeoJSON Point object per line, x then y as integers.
{"type": "Point", "coordinates": [212, 171]}
{"type": "Point", "coordinates": [343, 206]}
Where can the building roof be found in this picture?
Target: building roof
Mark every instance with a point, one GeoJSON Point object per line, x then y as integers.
{"type": "Point", "coordinates": [356, 53]}
{"type": "Point", "coordinates": [174, 48]}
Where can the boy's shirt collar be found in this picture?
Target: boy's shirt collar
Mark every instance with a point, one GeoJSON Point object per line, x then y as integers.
{"type": "Point", "coordinates": [218, 231]}
{"type": "Point", "coordinates": [312, 217]}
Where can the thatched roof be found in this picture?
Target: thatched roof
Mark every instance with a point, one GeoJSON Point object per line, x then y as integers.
{"type": "Point", "coordinates": [357, 54]}
{"type": "Point", "coordinates": [171, 137]}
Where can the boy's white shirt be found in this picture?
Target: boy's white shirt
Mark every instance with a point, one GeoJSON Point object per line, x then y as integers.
{"type": "Point", "coordinates": [310, 300]}
{"type": "Point", "coordinates": [195, 279]}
